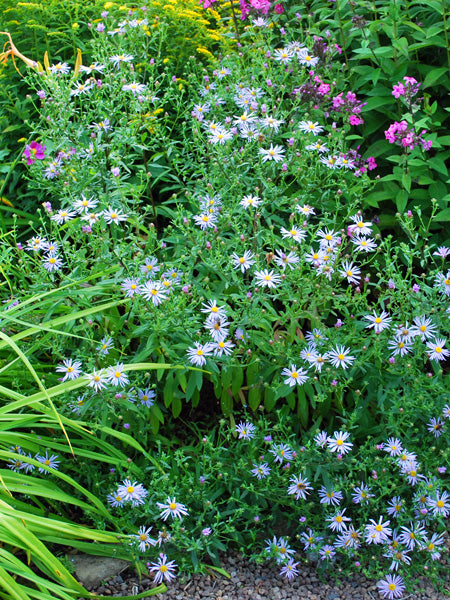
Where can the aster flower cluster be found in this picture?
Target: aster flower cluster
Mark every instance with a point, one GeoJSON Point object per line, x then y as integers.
{"type": "Point", "coordinates": [20, 463]}
{"type": "Point", "coordinates": [218, 326]}
{"type": "Point", "coordinates": [255, 123]}
{"type": "Point", "coordinates": [114, 377]}
{"type": "Point", "coordinates": [400, 537]}
{"type": "Point", "coordinates": [135, 494]}
{"type": "Point", "coordinates": [81, 210]}
{"type": "Point", "coordinates": [295, 297]}
{"type": "Point", "coordinates": [151, 286]}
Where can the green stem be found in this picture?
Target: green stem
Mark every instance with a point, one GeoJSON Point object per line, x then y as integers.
{"type": "Point", "coordinates": [235, 22]}
{"type": "Point", "coordinates": [444, 17]}
{"type": "Point", "coordinates": [342, 35]}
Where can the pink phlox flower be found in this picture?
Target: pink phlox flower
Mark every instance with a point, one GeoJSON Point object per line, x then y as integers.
{"type": "Point", "coordinates": [398, 90]}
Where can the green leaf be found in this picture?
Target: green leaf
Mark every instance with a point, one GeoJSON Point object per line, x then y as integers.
{"type": "Point", "coordinates": [433, 76]}
{"type": "Point", "coordinates": [381, 51]}
{"type": "Point", "coordinates": [254, 397]}
{"type": "Point", "coordinates": [226, 403]}
{"type": "Point", "coordinates": [406, 182]}
{"type": "Point", "coordinates": [302, 407]}
{"type": "Point", "coordinates": [402, 46]}
{"type": "Point", "coordinates": [237, 380]}
{"type": "Point", "coordinates": [191, 386]}
{"type": "Point", "coordinates": [401, 200]}
{"type": "Point", "coordinates": [438, 165]}
{"type": "Point", "coordinates": [270, 399]}
{"type": "Point", "coordinates": [176, 407]}
{"type": "Point", "coordinates": [377, 102]}
{"type": "Point", "coordinates": [443, 215]}
{"type": "Point", "coordinates": [290, 399]}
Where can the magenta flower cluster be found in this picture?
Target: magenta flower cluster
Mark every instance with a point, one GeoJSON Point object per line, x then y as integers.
{"type": "Point", "coordinates": [246, 6]}
{"type": "Point", "coordinates": [349, 103]}
{"type": "Point", "coordinates": [401, 134]}
{"type": "Point", "coordinates": [33, 152]}
{"type": "Point", "coordinates": [408, 89]}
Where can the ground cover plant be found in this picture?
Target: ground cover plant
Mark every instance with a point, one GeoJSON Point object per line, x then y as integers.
{"type": "Point", "coordinates": [205, 237]}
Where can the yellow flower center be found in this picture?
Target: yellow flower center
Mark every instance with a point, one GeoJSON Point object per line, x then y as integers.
{"type": "Point", "coordinates": [440, 504]}
{"type": "Point", "coordinates": [199, 352]}
{"type": "Point", "coordinates": [339, 442]}
{"type": "Point", "coordinates": [172, 506]}
{"type": "Point", "coordinates": [117, 374]}
{"type": "Point", "coordinates": [391, 587]}
{"type": "Point", "coordinates": [339, 519]}
{"type": "Point", "coordinates": [378, 320]}
{"type": "Point", "coordinates": [379, 528]}
{"type": "Point", "coordinates": [438, 349]}
{"type": "Point", "coordinates": [143, 537]}
{"type": "Point", "coordinates": [130, 489]}
{"type": "Point", "coordinates": [341, 356]}
{"type": "Point", "coordinates": [294, 374]}
{"type": "Point", "coordinates": [163, 568]}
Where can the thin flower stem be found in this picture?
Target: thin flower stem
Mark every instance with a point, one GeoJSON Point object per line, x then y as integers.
{"type": "Point", "coordinates": [235, 22]}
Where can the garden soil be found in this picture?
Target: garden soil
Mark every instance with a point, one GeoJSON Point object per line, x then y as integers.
{"type": "Point", "coordinates": [250, 581]}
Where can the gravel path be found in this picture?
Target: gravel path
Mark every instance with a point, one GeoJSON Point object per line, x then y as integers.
{"type": "Point", "coordinates": [262, 582]}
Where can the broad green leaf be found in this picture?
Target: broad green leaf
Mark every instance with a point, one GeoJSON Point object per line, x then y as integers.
{"type": "Point", "coordinates": [433, 76]}
{"type": "Point", "coordinates": [443, 215]}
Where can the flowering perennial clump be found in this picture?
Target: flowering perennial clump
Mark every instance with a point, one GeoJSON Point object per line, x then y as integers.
{"type": "Point", "coordinates": [203, 235]}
